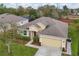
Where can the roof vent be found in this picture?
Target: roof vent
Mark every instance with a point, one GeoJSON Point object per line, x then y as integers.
{"type": "Point", "coordinates": [2, 17]}
{"type": "Point", "coordinates": [7, 13]}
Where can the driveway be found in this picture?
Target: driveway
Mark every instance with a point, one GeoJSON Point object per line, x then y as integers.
{"type": "Point", "coordinates": [48, 51]}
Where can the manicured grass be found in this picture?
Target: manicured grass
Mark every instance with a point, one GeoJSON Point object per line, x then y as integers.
{"type": "Point", "coordinates": [20, 50]}
{"type": "Point", "coordinates": [3, 50]}
{"type": "Point", "coordinates": [17, 50]}
{"type": "Point", "coordinates": [74, 34]}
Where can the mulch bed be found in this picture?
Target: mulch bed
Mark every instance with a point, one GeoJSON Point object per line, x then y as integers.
{"type": "Point", "coordinates": [19, 41]}
{"type": "Point", "coordinates": [37, 44]}
{"type": "Point", "coordinates": [65, 54]}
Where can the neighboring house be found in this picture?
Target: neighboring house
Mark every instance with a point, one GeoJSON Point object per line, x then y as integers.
{"type": "Point", "coordinates": [7, 18]}
{"type": "Point", "coordinates": [73, 17]}
{"type": "Point", "coordinates": [75, 12]}
{"type": "Point", "coordinates": [51, 32]}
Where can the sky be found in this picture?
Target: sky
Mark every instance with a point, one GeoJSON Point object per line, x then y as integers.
{"type": "Point", "coordinates": [36, 5]}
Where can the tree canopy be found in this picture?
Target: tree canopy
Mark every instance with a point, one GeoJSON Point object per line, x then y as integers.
{"type": "Point", "coordinates": [46, 10]}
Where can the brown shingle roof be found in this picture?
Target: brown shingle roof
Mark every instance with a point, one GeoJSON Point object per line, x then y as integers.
{"type": "Point", "coordinates": [10, 18]}
{"type": "Point", "coordinates": [54, 28]}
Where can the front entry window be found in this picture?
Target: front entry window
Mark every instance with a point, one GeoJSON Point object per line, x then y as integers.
{"type": "Point", "coordinates": [34, 33]}
{"type": "Point", "coordinates": [25, 32]}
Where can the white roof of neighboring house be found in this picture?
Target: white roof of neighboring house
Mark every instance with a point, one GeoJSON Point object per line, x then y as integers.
{"type": "Point", "coordinates": [53, 27]}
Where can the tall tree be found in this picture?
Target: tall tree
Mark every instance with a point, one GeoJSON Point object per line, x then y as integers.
{"type": "Point", "coordinates": [32, 12]}
{"type": "Point", "coordinates": [20, 10]}
{"type": "Point", "coordinates": [65, 10]}
{"type": "Point", "coordinates": [2, 8]}
{"type": "Point", "coordinates": [11, 10]}
{"type": "Point", "coordinates": [48, 10]}
{"type": "Point", "coordinates": [7, 36]}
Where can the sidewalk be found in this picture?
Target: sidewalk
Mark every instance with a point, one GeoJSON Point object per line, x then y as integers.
{"type": "Point", "coordinates": [31, 45]}
{"type": "Point", "coordinates": [69, 48]}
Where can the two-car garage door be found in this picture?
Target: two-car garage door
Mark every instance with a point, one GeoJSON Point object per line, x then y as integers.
{"type": "Point", "coordinates": [50, 42]}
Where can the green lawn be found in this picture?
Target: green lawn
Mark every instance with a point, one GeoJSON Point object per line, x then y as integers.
{"type": "Point", "coordinates": [17, 50]}
{"type": "Point", "coordinates": [20, 50]}
{"type": "Point", "coordinates": [74, 34]}
{"type": "Point", "coordinates": [3, 50]}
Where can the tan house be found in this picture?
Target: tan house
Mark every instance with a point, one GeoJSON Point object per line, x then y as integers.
{"type": "Point", "coordinates": [51, 32]}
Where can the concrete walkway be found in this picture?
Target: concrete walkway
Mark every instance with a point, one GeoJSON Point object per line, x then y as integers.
{"type": "Point", "coordinates": [48, 51]}
{"type": "Point", "coordinates": [31, 45]}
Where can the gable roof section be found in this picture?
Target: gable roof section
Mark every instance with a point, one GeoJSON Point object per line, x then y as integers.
{"type": "Point", "coordinates": [10, 18]}
{"type": "Point", "coordinates": [54, 28]}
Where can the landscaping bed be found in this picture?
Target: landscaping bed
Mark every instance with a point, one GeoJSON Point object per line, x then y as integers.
{"type": "Point", "coordinates": [22, 39]}
{"type": "Point", "coordinates": [37, 44]}
{"type": "Point", "coordinates": [65, 54]}
{"type": "Point", "coordinates": [19, 41]}
{"type": "Point", "coordinates": [36, 41]}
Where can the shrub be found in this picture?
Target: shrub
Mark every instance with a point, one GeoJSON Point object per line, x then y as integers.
{"type": "Point", "coordinates": [64, 50]}
{"type": "Point", "coordinates": [35, 39]}
{"type": "Point", "coordinates": [23, 37]}
{"type": "Point", "coordinates": [76, 21]}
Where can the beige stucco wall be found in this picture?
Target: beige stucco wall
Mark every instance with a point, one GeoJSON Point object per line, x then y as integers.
{"type": "Point", "coordinates": [52, 41]}
{"type": "Point", "coordinates": [35, 28]}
